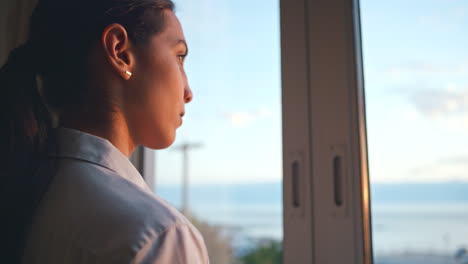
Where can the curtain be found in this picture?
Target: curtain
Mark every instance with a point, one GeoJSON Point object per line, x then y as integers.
{"type": "Point", "coordinates": [14, 19]}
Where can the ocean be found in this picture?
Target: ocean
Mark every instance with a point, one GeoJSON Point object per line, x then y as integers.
{"type": "Point", "coordinates": [406, 218]}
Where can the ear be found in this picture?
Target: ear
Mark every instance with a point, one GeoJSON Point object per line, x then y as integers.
{"type": "Point", "coordinates": [117, 48]}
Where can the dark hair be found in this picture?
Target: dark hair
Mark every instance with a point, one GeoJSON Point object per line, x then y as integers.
{"type": "Point", "coordinates": [56, 27]}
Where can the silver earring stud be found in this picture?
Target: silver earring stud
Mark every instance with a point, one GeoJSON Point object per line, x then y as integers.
{"type": "Point", "coordinates": [128, 73]}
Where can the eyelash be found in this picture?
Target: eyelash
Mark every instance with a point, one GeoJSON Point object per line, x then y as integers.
{"type": "Point", "coordinates": [181, 57]}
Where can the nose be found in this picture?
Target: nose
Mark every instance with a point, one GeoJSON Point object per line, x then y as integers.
{"type": "Point", "coordinates": [188, 95]}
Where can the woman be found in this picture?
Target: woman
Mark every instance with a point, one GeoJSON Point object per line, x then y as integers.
{"type": "Point", "coordinates": [112, 71]}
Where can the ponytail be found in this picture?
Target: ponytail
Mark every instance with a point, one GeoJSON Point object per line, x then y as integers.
{"type": "Point", "coordinates": [26, 124]}
{"type": "Point", "coordinates": [24, 113]}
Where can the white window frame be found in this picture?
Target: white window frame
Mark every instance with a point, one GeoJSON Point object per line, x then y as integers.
{"type": "Point", "coordinates": [324, 118]}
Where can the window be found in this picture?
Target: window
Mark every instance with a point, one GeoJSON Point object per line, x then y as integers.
{"type": "Point", "coordinates": [225, 169]}
{"type": "Point", "coordinates": [414, 110]}
{"type": "Point", "coordinates": [416, 75]}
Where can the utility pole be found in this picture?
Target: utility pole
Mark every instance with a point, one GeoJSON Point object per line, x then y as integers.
{"type": "Point", "coordinates": [185, 147]}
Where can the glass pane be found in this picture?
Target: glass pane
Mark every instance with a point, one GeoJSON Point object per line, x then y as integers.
{"type": "Point", "coordinates": [416, 73]}
{"type": "Point", "coordinates": [230, 144]}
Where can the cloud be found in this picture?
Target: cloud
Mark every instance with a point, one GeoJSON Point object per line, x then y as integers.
{"type": "Point", "coordinates": [243, 118]}
{"type": "Point", "coordinates": [449, 168]}
{"type": "Point", "coordinates": [451, 102]}
{"type": "Point", "coordinates": [446, 104]}
{"type": "Point", "coordinates": [456, 160]}
{"type": "Point", "coordinates": [239, 119]}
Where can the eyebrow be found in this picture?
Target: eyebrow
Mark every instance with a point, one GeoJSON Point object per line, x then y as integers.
{"type": "Point", "coordinates": [183, 42]}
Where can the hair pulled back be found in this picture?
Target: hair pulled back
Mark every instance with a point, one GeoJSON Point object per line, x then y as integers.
{"type": "Point", "coordinates": [61, 35]}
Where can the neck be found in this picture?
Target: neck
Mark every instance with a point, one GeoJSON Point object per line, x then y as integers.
{"type": "Point", "coordinates": [112, 127]}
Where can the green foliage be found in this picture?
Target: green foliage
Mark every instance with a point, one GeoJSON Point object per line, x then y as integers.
{"type": "Point", "coordinates": [217, 241]}
{"type": "Point", "coordinates": [220, 251]}
{"type": "Point", "coordinates": [267, 252]}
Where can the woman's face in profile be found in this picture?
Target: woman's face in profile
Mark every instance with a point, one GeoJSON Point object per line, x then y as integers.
{"type": "Point", "coordinates": [161, 90]}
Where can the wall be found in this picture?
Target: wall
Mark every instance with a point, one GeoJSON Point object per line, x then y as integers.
{"type": "Point", "coordinates": [14, 16]}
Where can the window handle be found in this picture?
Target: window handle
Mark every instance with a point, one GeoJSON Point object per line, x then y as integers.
{"type": "Point", "coordinates": [338, 180]}
{"type": "Point", "coordinates": [295, 185]}
{"type": "Point", "coordinates": [295, 174]}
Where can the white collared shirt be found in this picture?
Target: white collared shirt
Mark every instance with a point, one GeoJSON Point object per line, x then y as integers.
{"type": "Point", "coordinates": [98, 209]}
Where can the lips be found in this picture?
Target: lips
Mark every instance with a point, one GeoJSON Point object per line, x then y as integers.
{"type": "Point", "coordinates": [181, 120]}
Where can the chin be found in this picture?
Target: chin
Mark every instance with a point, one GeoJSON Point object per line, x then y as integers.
{"type": "Point", "coordinates": [161, 142]}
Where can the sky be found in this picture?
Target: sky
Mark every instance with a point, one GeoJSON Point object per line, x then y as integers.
{"type": "Point", "coordinates": [416, 81]}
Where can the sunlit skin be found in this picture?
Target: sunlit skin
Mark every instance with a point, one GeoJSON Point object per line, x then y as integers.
{"type": "Point", "coordinates": [148, 105]}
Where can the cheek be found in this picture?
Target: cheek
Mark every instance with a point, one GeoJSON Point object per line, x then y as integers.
{"type": "Point", "coordinates": [158, 98]}
{"type": "Point", "coordinates": [172, 86]}
{"type": "Point", "coordinates": [163, 103]}
{"type": "Point", "coordinates": [168, 89]}
{"type": "Point", "coordinates": [156, 125]}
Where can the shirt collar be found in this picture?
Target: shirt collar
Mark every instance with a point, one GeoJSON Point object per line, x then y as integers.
{"type": "Point", "coordinates": [71, 143]}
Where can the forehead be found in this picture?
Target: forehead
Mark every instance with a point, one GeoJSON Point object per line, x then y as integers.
{"type": "Point", "coordinates": [172, 28]}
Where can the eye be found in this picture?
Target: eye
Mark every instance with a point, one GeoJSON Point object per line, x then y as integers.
{"type": "Point", "coordinates": [181, 58]}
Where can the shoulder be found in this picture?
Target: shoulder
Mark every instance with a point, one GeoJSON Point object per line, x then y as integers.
{"type": "Point", "coordinates": [111, 216]}
{"type": "Point", "coordinates": [179, 244]}
{"type": "Point", "coordinates": [97, 191]}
